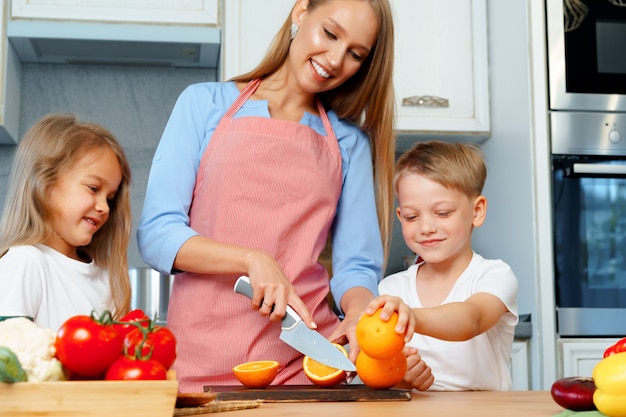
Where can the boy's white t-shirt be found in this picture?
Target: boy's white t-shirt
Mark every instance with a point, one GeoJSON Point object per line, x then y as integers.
{"type": "Point", "coordinates": [39, 282]}
{"type": "Point", "coordinates": [480, 363]}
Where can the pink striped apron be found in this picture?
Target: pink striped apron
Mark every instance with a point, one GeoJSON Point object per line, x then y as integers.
{"type": "Point", "coordinates": [267, 184]}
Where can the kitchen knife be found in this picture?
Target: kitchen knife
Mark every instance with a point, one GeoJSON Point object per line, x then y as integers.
{"type": "Point", "coordinates": [296, 334]}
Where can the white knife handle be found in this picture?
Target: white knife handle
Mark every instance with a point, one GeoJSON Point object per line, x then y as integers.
{"type": "Point", "coordinates": [242, 286]}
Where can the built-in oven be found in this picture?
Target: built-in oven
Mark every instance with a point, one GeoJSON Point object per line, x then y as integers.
{"type": "Point", "coordinates": [589, 220]}
{"type": "Point", "coordinates": [586, 44]}
{"type": "Point", "coordinates": [587, 54]}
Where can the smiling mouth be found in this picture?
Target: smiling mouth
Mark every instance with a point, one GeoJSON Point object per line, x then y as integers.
{"type": "Point", "coordinates": [320, 71]}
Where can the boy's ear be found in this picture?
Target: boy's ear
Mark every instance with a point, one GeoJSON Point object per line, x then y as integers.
{"type": "Point", "coordinates": [480, 211]}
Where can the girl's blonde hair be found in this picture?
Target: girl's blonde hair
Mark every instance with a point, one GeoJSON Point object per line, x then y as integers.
{"type": "Point", "coordinates": [50, 147]}
{"type": "Point", "coordinates": [459, 166]}
{"type": "Point", "coordinates": [367, 98]}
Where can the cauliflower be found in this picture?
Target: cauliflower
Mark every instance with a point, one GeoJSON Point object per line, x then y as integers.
{"type": "Point", "coordinates": [34, 347]}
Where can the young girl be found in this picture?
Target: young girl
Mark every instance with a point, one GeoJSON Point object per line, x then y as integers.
{"type": "Point", "coordinates": [253, 176]}
{"type": "Point", "coordinates": [66, 224]}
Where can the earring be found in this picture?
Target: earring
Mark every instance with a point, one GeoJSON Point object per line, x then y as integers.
{"type": "Point", "coordinates": [294, 30]}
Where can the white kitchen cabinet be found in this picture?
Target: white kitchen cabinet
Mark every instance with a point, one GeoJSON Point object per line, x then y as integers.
{"type": "Point", "coordinates": [10, 71]}
{"type": "Point", "coordinates": [200, 12]}
{"type": "Point", "coordinates": [181, 33]}
{"type": "Point", "coordinates": [520, 371]}
{"type": "Point", "coordinates": [248, 30]}
{"type": "Point", "coordinates": [441, 68]}
{"type": "Point", "coordinates": [578, 357]}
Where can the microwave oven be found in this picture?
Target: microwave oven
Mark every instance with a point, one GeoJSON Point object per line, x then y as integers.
{"type": "Point", "coordinates": [587, 55]}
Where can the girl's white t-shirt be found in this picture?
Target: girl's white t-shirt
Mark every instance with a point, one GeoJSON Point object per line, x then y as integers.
{"type": "Point", "coordinates": [39, 282]}
{"type": "Point", "coordinates": [481, 363]}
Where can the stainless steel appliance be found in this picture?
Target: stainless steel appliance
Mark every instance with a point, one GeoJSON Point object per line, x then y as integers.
{"type": "Point", "coordinates": [587, 54]}
{"type": "Point", "coordinates": [589, 203]}
{"type": "Point", "coordinates": [150, 292]}
{"type": "Point", "coordinates": [587, 90]}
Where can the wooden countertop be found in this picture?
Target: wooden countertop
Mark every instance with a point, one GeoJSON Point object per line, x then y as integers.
{"type": "Point", "coordinates": [428, 404]}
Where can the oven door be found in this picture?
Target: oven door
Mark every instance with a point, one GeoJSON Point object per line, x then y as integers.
{"type": "Point", "coordinates": [587, 57]}
{"type": "Point", "coordinates": [589, 203]}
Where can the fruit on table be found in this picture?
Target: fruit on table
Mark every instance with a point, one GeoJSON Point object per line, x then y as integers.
{"type": "Point", "coordinates": [10, 368]}
{"type": "Point", "coordinates": [324, 375]}
{"type": "Point", "coordinates": [256, 374]}
{"type": "Point", "coordinates": [574, 393]}
{"type": "Point", "coordinates": [378, 338]}
{"type": "Point", "coordinates": [381, 373]}
{"type": "Point", "coordinates": [610, 378]}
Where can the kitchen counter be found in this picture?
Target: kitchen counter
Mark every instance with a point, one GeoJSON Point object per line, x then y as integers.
{"type": "Point", "coordinates": [429, 404]}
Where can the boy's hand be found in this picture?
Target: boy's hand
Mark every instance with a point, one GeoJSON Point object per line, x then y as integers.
{"type": "Point", "coordinates": [389, 304]}
{"type": "Point", "coordinates": [418, 374]}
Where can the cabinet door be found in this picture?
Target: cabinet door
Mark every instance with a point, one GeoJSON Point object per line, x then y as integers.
{"type": "Point", "coordinates": [580, 356]}
{"type": "Point", "coordinates": [441, 67]}
{"type": "Point", "coordinates": [519, 366]}
{"type": "Point", "coordinates": [140, 11]}
{"type": "Point", "coordinates": [249, 28]}
{"type": "Point", "coordinates": [10, 72]}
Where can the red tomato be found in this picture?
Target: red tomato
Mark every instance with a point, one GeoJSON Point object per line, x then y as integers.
{"type": "Point", "coordinates": [86, 347]}
{"type": "Point", "coordinates": [618, 347]}
{"type": "Point", "coordinates": [160, 341]}
{"type": "Point", "coordinates": [125, 368]}
{"type": "Point", "coordinates": [134, 316]}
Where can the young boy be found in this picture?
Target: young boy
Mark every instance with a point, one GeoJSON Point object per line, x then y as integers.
{"type": "Point", "coordinates": [459, 309]}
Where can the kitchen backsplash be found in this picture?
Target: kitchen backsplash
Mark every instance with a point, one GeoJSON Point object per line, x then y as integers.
{"type": "Point", "coordinates": [133, 102]}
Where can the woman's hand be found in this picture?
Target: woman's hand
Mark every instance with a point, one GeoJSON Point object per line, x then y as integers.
{"type": "Point", "coordinates": [272, 290]}
{"type": "Point", "coordinates": [418, 374]}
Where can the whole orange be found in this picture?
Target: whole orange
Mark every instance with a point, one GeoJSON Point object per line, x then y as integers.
{"type": "Point", "coordinates": [381, 373]}
{"type": "Point", "coordinates": [377, 338]}
{"type": "Point", "coordinates": [256, 374]}
{"type": "Point", "coordinates": [324, 375]}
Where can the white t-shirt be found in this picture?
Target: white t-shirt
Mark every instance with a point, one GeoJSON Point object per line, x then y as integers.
{"type": "Point", "coordinates": [480, 363]}
{"type": "Point", "coordinates": [41, 283]}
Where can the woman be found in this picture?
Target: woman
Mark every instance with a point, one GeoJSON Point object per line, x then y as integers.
{"type": "Point", "coordinates": [253, 175]}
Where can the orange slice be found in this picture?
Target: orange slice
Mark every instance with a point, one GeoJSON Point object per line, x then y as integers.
{"type": "Point", "coordinates": [256, 374]}
{"type": "Point", "coordinates": [321, 374]}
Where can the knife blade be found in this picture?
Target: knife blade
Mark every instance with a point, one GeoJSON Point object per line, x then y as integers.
{"type": "Point", "coordinates": [296, 334]}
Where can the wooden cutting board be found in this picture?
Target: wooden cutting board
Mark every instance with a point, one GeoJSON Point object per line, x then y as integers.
{"type": "Point", "coordinates": [308, 393]}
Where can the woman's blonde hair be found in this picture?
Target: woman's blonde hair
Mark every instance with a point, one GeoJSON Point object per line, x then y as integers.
{"type": "Point", "coordinates": [459, 166]}
{"type": "Point", "coordinates": [367, 98]}
{"type": "Point", "coordinates": [50, 147]}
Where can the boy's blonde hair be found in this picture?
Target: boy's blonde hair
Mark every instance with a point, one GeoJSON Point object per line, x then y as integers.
{"type": "Point", "coordinates": [459, 166]}
{"type": "Point", "coordinates": [367, 98]}
{"type": "Point", "coordinates": [50, 147]}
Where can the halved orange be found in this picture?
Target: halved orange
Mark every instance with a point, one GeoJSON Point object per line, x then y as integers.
{"type": "Point", "coordinates": [321, 374]}
{"type": "Point", "coordinates": [256, 374]}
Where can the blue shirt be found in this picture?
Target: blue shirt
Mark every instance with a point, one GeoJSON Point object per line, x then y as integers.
{"type": "Point", "coordinates": [164, 224]}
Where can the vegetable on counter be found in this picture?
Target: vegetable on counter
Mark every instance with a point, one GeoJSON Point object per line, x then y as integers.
{"type": "Point", "coordinates": [87, 345]}
{"type": "Point", "coordinates": [10, 368]}
{"type": "Point", "coordinates": [574, 393]}
{"type": "Point", "coordinates": [34, 348]}
{"type": "Point", "coordinates": [610, 378]}
{"type": "Point", "coordinates": [618, 347]}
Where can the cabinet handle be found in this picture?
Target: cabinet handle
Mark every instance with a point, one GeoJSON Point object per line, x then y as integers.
{"type": "Point", "coordinates": [425, 101]}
